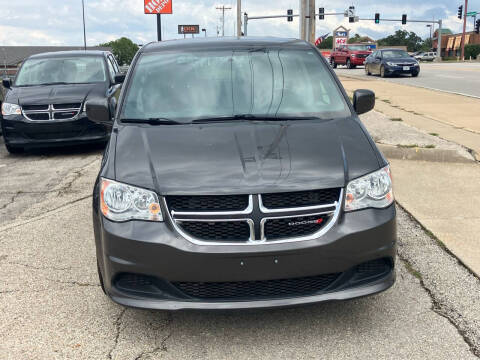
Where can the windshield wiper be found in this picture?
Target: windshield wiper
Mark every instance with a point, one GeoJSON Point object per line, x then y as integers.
{"type": "Point", "coordinates": [152, 121]}
{"type": "Point", "coordinates": [252, 117]}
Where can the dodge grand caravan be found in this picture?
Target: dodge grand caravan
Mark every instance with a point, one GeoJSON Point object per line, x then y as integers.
{"type": "Point", "coordinates": [238, 175]}
{"type": "Point", "coordinates": [45, 104]}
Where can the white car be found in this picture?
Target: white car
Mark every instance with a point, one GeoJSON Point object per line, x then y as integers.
{"type": "Point", "coordinates": [426, 56]}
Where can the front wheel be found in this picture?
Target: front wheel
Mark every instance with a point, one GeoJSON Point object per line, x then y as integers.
{"type": "Point", "coordinates": [367, 70]}
{"type": "Point", "coordinates": [382, 71]}
{"type": "Point", "coordinates": [349, 64]}
{"type": "Point", "coordinates": [334, 64]}
{"type": "Point", "coordinates": [100, 278]}
{"type": "Point", "coordinates": [415, 74]}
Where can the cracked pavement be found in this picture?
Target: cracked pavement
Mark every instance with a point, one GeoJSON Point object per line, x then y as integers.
{"type": "Point", "coordinates": [52, 307]}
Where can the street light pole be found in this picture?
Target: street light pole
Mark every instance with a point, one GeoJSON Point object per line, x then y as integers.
{"type": "Point", "coordinates": [84, 32]}
{"type": "Point", "coordinates": [239, 18]}
{"type": "Point", "coordinates": [431, 41]}
{"type": "Point", "coordinates": [205, 31]}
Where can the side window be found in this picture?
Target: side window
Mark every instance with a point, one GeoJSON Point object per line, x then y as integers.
{"type": "Point", "coordinates": [111, 69]}
{"type": "Point", "coordinates": [114, 63]}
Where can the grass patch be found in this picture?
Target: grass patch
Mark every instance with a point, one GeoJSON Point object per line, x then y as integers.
{"type": "Point", "coordinates": [409, 146]}
{"type": "Point", "coordinates": [434, 134]}
{"type": "Point", "coordinates": [412, 271]}
{"type": "Point", "coordinates": [430, 147]}
{"type": "Point", "coordinates": [396, 119]}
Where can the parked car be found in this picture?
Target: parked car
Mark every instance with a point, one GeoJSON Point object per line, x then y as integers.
{"type": "Point", "coordinates": [426, 56]}
{"type": "Point", "coordinates": [387, 62]}
{"type": "Point", "coordinates": [238, 175]}
{"type": "Point", "coordinates": [350, 55]}
{"type": "Point", "coordinates": [45, 103]}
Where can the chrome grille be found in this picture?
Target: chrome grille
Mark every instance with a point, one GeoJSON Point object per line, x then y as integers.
{"type": "Point", "coordinates": [51, 112]}
{"type": "Point", "coordinates": [254, 219]}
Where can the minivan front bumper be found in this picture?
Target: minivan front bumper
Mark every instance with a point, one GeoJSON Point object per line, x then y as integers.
{"type": "Point", "coordinates": [153, 254]}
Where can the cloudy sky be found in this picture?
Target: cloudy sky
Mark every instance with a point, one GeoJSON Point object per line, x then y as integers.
{"type": "Point", "coordinates": [59, 22]}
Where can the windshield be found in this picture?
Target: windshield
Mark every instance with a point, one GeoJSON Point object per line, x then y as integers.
{"type": "Point", "coordinates": [392, 54]}
{"type": "Point", "coordinates": [210, 84]}
{"type": "Point", "coordinates": [71, 70]}
{"type": "Point", "coordinates": [358, 47]}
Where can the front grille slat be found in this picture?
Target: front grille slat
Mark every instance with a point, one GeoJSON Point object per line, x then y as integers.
{"type": "Point", "coordinates": [208, 203]}
{"type": "Point", "coordinates": [51, 112]}
{"type": "Point", "coordinates": [300, 198]}
{"type": "Point", "coordinates": [231, 231]}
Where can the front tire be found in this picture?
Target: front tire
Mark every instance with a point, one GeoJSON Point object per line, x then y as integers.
{"type": "Point", "coordinates": [334, 64]}
{"type": "Point", "coordinates": [415, 74]}
{"type": "Point", "coordinates": [349, 64]}
{"type": "Point", "coordinates": [382, 72]}
{"type": "Point", "coordinates": [367, 70]}
{"type": "Point", "coordinates": [100, 278]}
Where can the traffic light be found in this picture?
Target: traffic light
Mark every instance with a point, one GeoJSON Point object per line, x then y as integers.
{"type": "Point", "coordinates": [477, 26]}
{"type": "Point", "coordinates": [404, 19]}
{"type": "Point", "coordinates": [290, 12]}
{"type": "Point", "coordinates": [460, 11]}
{"type": "Point", "coordinates": [321, 11]}
{"type": "Point", "coordinates": [377, 18]}
{"type": "Point", "coordinates": [351, 14]}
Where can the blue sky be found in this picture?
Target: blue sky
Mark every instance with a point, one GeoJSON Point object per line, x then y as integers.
{"type": "Point", "coordinates": [59, 22]}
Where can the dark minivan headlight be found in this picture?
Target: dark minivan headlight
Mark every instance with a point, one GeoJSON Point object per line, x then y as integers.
{"type": "Point", "coordinates": [122, 202]}
{"type": "Point", "coordinates": [370, 191]}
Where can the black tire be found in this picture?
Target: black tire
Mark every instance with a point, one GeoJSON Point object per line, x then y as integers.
{"type": "Point", "coordinates": [415, 74]}
{"type": "Point", "coordinates": [100, 278]}
{"type": "Point", "coordinates": [13, 149]}
{"type": "Point", "coordinates": [367, 70]}
{"type": "Point", "coordinates": [349, 64]}
{"type": "Point", "coordinates": [382, 72]}
{"type": "Point", "coordinates": [334, 64]}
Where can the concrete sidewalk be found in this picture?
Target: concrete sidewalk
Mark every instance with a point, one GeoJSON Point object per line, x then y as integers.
{"type": "Point", "coordinates": [442, 195]}
{"type": "Point", "coordinates": [452, 117]}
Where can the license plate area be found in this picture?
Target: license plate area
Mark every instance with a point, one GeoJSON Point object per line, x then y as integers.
{"type": "Point", "coordinates": [406, 68]}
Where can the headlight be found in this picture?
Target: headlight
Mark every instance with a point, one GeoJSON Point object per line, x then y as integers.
{"type": "Point", "coordinates": [391, 64]}
{"type": "Point", "coordinates": [121, 202]}
{"type": "Point", "coordinates": [11, 109]}
{"type": "Point", "coordinates": [416, 64]}
{"type": "Point", "coordinates": [353, 55]}
{"type": "Point", "coordinates": [372, 190]}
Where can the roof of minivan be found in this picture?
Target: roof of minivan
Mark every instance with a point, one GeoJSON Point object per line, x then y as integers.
{"type": "Point", "coordinates": [68, 53]}
{"type": "Point", "coordinates": [223, 42]}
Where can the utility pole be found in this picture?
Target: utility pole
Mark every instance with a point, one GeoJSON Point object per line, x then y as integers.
{"type": "Point", "coordinates": [159, 27]}
{"type": "Point", "coordinates": [311, 22]}
{"type": "Point", "coordinates": [464, 29]}
{"type": "Point", "coordinates": [223, 8]}
{"type": "Point", "coordinates": [307, 20]}
{"type": "Point", "coordinates": [302, 22]}
{"type": "Point", "coordinates": [239, 18]}
{"type": "Point", "coordinates": [84, 32]}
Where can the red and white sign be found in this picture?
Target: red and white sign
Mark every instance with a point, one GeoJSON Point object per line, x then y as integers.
{"type": "Point", "coordinates": [158, 7]}
{"type": "Point", "coordinates": [339, 41]}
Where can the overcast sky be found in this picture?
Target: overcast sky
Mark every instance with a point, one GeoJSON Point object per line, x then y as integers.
{"type": "Point", "coordinates": [59, 22]}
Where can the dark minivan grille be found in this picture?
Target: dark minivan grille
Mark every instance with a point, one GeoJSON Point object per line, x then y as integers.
{"type": "Point", "coordinates": [285, 216]}
{"type": "Point", "coordinates": [257, 289]}
{"type": "Point", "coordinates": [300, 198]}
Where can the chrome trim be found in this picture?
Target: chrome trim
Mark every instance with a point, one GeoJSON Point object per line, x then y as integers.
{"type": "Point", "coordinates": [51, 111]}
{"type": "Point", "coordinates": [247, 210]}
{"type": "Point", "coordinates": [262, 240]}
{"type": "Point", "coordinates": [266, 210]}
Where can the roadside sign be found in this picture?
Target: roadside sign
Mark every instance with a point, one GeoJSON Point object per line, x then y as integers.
{"type": "Point", "coordinates": [188, 29]}
{"type": "Point", "coordinates": [472, 13]}
{"type": "Point", "coordinates": [340, 41]}
{"type": "Point", "coordinates": [158, 6]}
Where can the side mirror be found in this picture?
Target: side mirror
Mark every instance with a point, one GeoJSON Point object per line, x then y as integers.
{"type": "Point", "coordinates": [7, 83]}
{"type": "Point", "coordinates": [98, 111]}
{"type": "Point", "coordinates": [119, 78]}
{"type": "Point", "coordinates": [363, 101]}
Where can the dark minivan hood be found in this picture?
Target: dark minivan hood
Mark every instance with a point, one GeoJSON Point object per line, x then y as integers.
{"type": "Point", "coordinates": [243, 157]}
{"type": "Point", "coordinates": [53, 94]}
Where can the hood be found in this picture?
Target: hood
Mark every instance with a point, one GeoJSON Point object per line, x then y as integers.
{"type": "Point", "coordinates": [243, 157]}
{"type": "Point", "coordinates": [400, 60]}
{"type": "Point", "coordinates": [53, 94]}
{"type": "Point", "coordinates": [360, 52]}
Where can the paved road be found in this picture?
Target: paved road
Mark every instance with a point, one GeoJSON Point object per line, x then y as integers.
{"type": "Point", "coordinates": [461, 78]}
{"type": "Point", "coordinates": [51, 305]}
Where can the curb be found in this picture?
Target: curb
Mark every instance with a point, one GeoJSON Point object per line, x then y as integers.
{"type": "Point", "coordinates": [422, 154]}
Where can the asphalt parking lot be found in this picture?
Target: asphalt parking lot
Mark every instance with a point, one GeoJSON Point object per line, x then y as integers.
{"type": "Point", "coordinates": [461, 78]}
{"type": "Point", "coordinates": [52, 307]}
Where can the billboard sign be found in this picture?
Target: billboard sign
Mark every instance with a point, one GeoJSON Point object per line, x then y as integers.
{"type": "Point", "coordinates": [340, 41]}
{"type": "Point", "coordinates": [158, 6]}
{"type": "Point", "coordinates": [188, 29]}
{"type": "Point", "coordinates": [341, 33]}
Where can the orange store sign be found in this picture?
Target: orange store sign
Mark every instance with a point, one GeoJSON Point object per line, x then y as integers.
{"type": "Point", "coordinates": [158, 6]}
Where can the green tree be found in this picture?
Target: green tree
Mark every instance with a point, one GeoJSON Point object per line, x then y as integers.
{"type": "Point", "coordinates": [472, 50]}
{"type": "Point", "coordinates": [412, 41]}
{"type": "Point", "coordinates": [358, 39]}
{"type": "Point", "coordinates": [327, 43]}
{"type": "Point", "coordinates": [124, 50]}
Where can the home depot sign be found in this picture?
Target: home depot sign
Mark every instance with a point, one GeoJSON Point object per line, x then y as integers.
{"type": "Point", "coordinates": [158, 6]}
